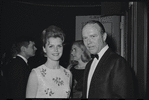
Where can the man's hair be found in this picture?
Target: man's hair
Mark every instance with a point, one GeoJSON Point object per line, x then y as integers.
{"type": "Point", "coordinates": [96, 22]}
{"type": "Point", "coordinates": [22, 41]}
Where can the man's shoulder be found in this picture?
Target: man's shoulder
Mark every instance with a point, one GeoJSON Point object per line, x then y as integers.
{"type": "Point", "coordinates": [114, 55]}
{"type": "Point", "coordinates": [16, 60]}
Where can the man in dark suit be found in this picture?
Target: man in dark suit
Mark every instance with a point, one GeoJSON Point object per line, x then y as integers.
{"type": "Point", "coordinates": [108, 74]}
{"type": "Point", "coordinates": [18, 69]}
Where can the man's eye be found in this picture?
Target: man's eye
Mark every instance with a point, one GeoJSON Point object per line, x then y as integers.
{"type": "Point", "coordinates": [84, 38]}
{"type": "Point", "coordinates": [60, 46]}
{"type": "Point", "coordinates": [93, 36]}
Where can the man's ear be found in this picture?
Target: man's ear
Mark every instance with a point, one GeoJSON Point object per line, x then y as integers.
{"type": "Point", "coordinates": [22, 48]}
{"type": "Point", "coordinates": [105, 36]}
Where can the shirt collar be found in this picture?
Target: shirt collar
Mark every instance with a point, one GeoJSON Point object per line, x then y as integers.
{"type": "Point", "coordinates": [103, 50]}
{"type": "Point", "coordinates": [22, 57]}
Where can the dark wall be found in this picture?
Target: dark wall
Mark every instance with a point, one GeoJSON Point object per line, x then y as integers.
{"type": "Point", "coordinates": [114, 8]}
{"type": "Point", "coordinates": [18, 18]}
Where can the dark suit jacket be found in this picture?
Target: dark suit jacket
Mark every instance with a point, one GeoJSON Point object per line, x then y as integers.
{"type": "Point", "coordinates": [112, 78]}
{"type": "Point", "coordinates": [17, 78]}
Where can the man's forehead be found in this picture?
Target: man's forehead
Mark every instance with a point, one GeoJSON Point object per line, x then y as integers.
{"type": "Point", "coordinates": [92, 26]}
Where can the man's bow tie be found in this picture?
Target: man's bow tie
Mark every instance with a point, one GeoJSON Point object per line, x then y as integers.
{"type": "Point", "coordinates": [95, 56]}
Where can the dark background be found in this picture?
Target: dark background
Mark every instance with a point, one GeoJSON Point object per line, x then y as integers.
{"type": "Point", "coordinates": [32, 17]}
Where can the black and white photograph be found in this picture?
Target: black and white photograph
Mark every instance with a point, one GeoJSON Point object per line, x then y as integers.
{"type": "Point", "coordinates": [74, 49]}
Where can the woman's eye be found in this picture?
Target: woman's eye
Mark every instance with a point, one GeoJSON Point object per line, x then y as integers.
{"type": "Point", "coordinates": [72, 50]}
{"type": "Point", "coordinates": [50, 46]}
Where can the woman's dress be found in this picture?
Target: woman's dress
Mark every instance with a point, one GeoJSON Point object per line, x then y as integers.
{"type": "Point", "coordinates": [77, 82]}
{"type": "Point", "coordinates": [53, 83]}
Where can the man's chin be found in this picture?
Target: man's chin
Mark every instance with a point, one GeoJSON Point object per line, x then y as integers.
{"type": "Point", "coordinates": [92, 52]}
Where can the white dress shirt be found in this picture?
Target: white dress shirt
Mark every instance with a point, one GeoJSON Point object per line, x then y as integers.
{"type": "Point", "coordinates": [22, 57]}
{"type": "Point", "coordinates": [93, 67]}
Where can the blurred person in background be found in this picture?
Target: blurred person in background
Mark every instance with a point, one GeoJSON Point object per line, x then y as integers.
{"type": "Point", "coordinates": [18, 70]}
{"type": "Point", "coordinates": [79, 57]}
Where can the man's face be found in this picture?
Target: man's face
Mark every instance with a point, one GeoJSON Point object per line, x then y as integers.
{"type": "Point", "coordinates": [92, 38]}
{"type": "Point", "coordinates": [30, 49]}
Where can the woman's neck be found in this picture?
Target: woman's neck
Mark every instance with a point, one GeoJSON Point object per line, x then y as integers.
{"type": "Point", "coordinates": [81, 65]}
{"type": "Point", "coordinates": [52, 64]}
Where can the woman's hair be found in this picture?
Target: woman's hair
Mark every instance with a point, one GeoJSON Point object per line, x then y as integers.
{"type": "Point", "coordinates": [85, 57]}
{"type": "Point", "coordinates": [52, 31]}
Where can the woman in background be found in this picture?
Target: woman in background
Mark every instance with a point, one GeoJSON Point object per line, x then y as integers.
{"type": "Point", "coordinates": [79, 57]}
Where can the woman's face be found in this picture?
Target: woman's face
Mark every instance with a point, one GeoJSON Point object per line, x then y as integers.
{"type": "Point", "coordinates": [76, 52]}
{"type": "Point", "coordinates": [54, 48]}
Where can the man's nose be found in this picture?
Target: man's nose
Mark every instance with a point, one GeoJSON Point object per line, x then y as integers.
{"type": "Point", "coordinates": [35, 48]}
{"type": "Point", "coordinates": [88, 41]}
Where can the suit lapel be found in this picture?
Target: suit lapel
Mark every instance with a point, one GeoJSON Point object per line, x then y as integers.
{"type": "Point", "coordinates": [99, 66]}
{"type": "Point", "coordinates": [103, 58]}
{"type": "Point", "coordinates": [86, 77]}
